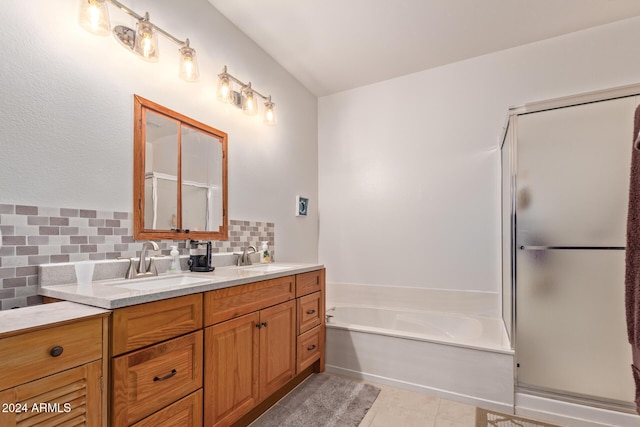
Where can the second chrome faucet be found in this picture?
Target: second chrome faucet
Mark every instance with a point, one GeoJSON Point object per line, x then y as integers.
{"type": "Point", "coordinates": [243, 258]}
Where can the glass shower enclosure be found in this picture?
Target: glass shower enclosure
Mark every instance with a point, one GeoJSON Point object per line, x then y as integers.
{"type": "Point", "coordinates": [565, 180]}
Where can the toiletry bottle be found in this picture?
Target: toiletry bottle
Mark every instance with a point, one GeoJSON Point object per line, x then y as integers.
{"type": "Point", "coordinates": [265, 256]}
{"type": "Point", "coordinates": [175, 260]}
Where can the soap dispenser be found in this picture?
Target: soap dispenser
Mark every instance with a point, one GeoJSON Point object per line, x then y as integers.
{"type": "Point", "coordinates": [175, 260]}
{"type": "Point", "coordinates": [265, 256]}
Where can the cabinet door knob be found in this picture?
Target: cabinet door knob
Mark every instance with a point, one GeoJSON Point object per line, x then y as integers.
{"type": "Point", "coordinates": [264, 324]}
{"type": "Point", "coordinates": [311, 347]}
{"type": "Point", "coordinates": [166, 377]}
{"type": "Point", "coordinates": [310, 311]}
{"type": "Point", "coordinates": [56, 351]}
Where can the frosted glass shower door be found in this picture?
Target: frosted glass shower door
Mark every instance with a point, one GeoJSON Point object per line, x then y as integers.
{"type": "Point", "coordinates": [572, 177]}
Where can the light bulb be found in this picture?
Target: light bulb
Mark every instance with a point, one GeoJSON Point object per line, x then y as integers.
{"type": "Point", "coordinates": [224, 88]}
{"type": "Point", "coordinates": [146, 43]}
{"type": "Point", "coordinates": [188, 64]}
{"type": "Point", "coordinates": [269, 113]}
{"type": "Point", "coordinates": [94, 17]}
{"type": "Point", "coordinates": [249, 105]}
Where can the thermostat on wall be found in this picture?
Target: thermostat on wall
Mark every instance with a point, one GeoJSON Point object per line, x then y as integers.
{"type": "Point", "coordinates": [302, 204]}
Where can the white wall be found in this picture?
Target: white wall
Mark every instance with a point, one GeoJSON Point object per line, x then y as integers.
{"type": "Point", "coordinates": [66, 114]}
{"type": "Point", "coordinates": [409, 168]}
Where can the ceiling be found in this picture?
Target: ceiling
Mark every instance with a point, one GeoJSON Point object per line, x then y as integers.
{"type": "Point", "coordinates": [335, 45]}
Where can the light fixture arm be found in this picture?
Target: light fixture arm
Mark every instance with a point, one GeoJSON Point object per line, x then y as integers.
{"type": "Point", "coordinates": [145, 18]}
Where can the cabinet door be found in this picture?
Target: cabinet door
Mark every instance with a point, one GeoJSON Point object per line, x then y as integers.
{"type": "Point", "coordinates": [72, 397]}
{"type": "Point", "coordinates": [231, 369]}
{"type": "Point", "coordinates": [277, 347]}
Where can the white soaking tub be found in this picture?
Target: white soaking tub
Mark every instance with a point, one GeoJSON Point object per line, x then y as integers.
{"type": "Point", "coordinates": [458, 355]}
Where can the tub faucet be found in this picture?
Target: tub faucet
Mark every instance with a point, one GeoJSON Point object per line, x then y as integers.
{"type": "Point", "coordinates": [243, 259]}
{"type": "Point", "coordinates": [143, 269]}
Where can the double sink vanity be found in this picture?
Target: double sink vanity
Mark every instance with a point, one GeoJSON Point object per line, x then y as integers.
{"type": "Point", "coordinates": [189, 349]}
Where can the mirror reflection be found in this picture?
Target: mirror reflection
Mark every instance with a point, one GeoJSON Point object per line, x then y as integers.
{"type": "Point", "coordinates": [180, 176]}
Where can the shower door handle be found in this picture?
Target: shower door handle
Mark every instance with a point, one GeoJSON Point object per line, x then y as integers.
{"type": "Point", "coordinates": [584, 248]}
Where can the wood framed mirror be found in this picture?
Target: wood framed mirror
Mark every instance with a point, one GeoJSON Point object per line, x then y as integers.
{"type": "Point", "coordinates": [179, 176]}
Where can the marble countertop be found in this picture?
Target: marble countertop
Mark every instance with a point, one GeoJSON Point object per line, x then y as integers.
{"type": "Point", "coordinates": [111, 294]}
{"type": "Point", "coordinates": [23, 319]}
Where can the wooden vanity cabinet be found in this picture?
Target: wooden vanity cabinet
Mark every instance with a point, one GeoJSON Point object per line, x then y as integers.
{"type": "Point", "coordinates": [53, 375]}
{"type": "Point", "coordinates": [249, 357]}
{"type": "Point", "coordinates": [251, 340]}
{"type": "Point", "coordinates": [156, 362]}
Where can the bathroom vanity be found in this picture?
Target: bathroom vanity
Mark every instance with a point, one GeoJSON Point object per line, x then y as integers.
{"type": "Point", "coordinates": [217, 349]}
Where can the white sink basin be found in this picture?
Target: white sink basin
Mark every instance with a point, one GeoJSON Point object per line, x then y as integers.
{"type": "Point", "coordinates": [153, 283]}
{"type": "Point", "coordinates": [267, 268]}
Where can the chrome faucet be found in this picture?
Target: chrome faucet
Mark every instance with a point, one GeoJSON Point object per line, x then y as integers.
{"type": "Point", "coordinates": [143, 269]}
{"type": "Point", "coordinates": [243, 259]}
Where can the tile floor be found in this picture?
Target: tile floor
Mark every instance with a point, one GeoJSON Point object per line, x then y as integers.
{"type": "Point", "coordinates": [397, 407]}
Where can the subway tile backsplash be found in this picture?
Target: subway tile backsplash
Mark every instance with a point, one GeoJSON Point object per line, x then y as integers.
{"type": "Point", "coordinates": [34, 235]}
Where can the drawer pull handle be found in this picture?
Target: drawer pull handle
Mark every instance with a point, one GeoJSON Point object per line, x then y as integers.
{"type": "Point", "coordinates": [166, 377]}
{"type": "Point", "coordinates": [311, 347]}
{"type": "Point", "coordinates": [311, 311]}
{"type": "Point", "coordinates": [56, 351]}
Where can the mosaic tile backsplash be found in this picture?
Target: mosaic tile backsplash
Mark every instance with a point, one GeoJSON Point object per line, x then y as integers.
{"type": "Point", "coordinates": [34, 235]}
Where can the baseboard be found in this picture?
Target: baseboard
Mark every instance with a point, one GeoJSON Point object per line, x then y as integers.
{"type": "Point", "coordinates": [457, 397]}
{"type": "Point", "coordinates": [571, 414]}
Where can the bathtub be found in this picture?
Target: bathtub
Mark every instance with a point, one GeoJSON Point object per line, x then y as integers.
{"type": "Point", "coordinates": [432, 326]}
{"type": "Point", "coordinates": [452, 344]}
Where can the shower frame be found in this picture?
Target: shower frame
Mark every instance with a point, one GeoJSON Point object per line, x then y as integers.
{"type": "Point", "coordinates": [507, 140]}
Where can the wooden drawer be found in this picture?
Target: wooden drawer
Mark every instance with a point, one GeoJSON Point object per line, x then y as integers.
{"type": "Point", "coordinates": [307, 283]}
{"type": "Point", "coordinates": [227, 303]}
{"type": "Point", "coordinates": [145, 324]}
{"type": "Point", "coordinates": [309, 312]}
{"type": "Point", "coordinates": [147, 380]}
{"type": "Point", "coordinates": [30, 356]}
{"type": "Point", "coordinates": [74, 397]}
{"type": "Point", "coordinates": [185, 412]}
{"type": "Point", "coordinates": [309, 348]}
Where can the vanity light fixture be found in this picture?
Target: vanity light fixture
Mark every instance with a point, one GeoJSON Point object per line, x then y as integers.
{"type": "Point", "coordinates": [269, 112]}
{"type": "Point", "coordinates": [94, 17]}
{"type": "Point", "coordinates": [249, 104]}
{"type": "Point", "coordinates": [188, 64]}
{"type": "Point", "coordinates": [246, 98]}
{"type": "Point", "coordinates": [146, 40]}
{"type": "Point", "coordinates": [225, 87]}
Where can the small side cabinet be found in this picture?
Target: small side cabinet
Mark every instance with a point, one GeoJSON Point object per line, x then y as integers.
{"type": "Point", "coordinates": [310, 337]}
{"type": "Point", "coordinates": [52, 373]}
